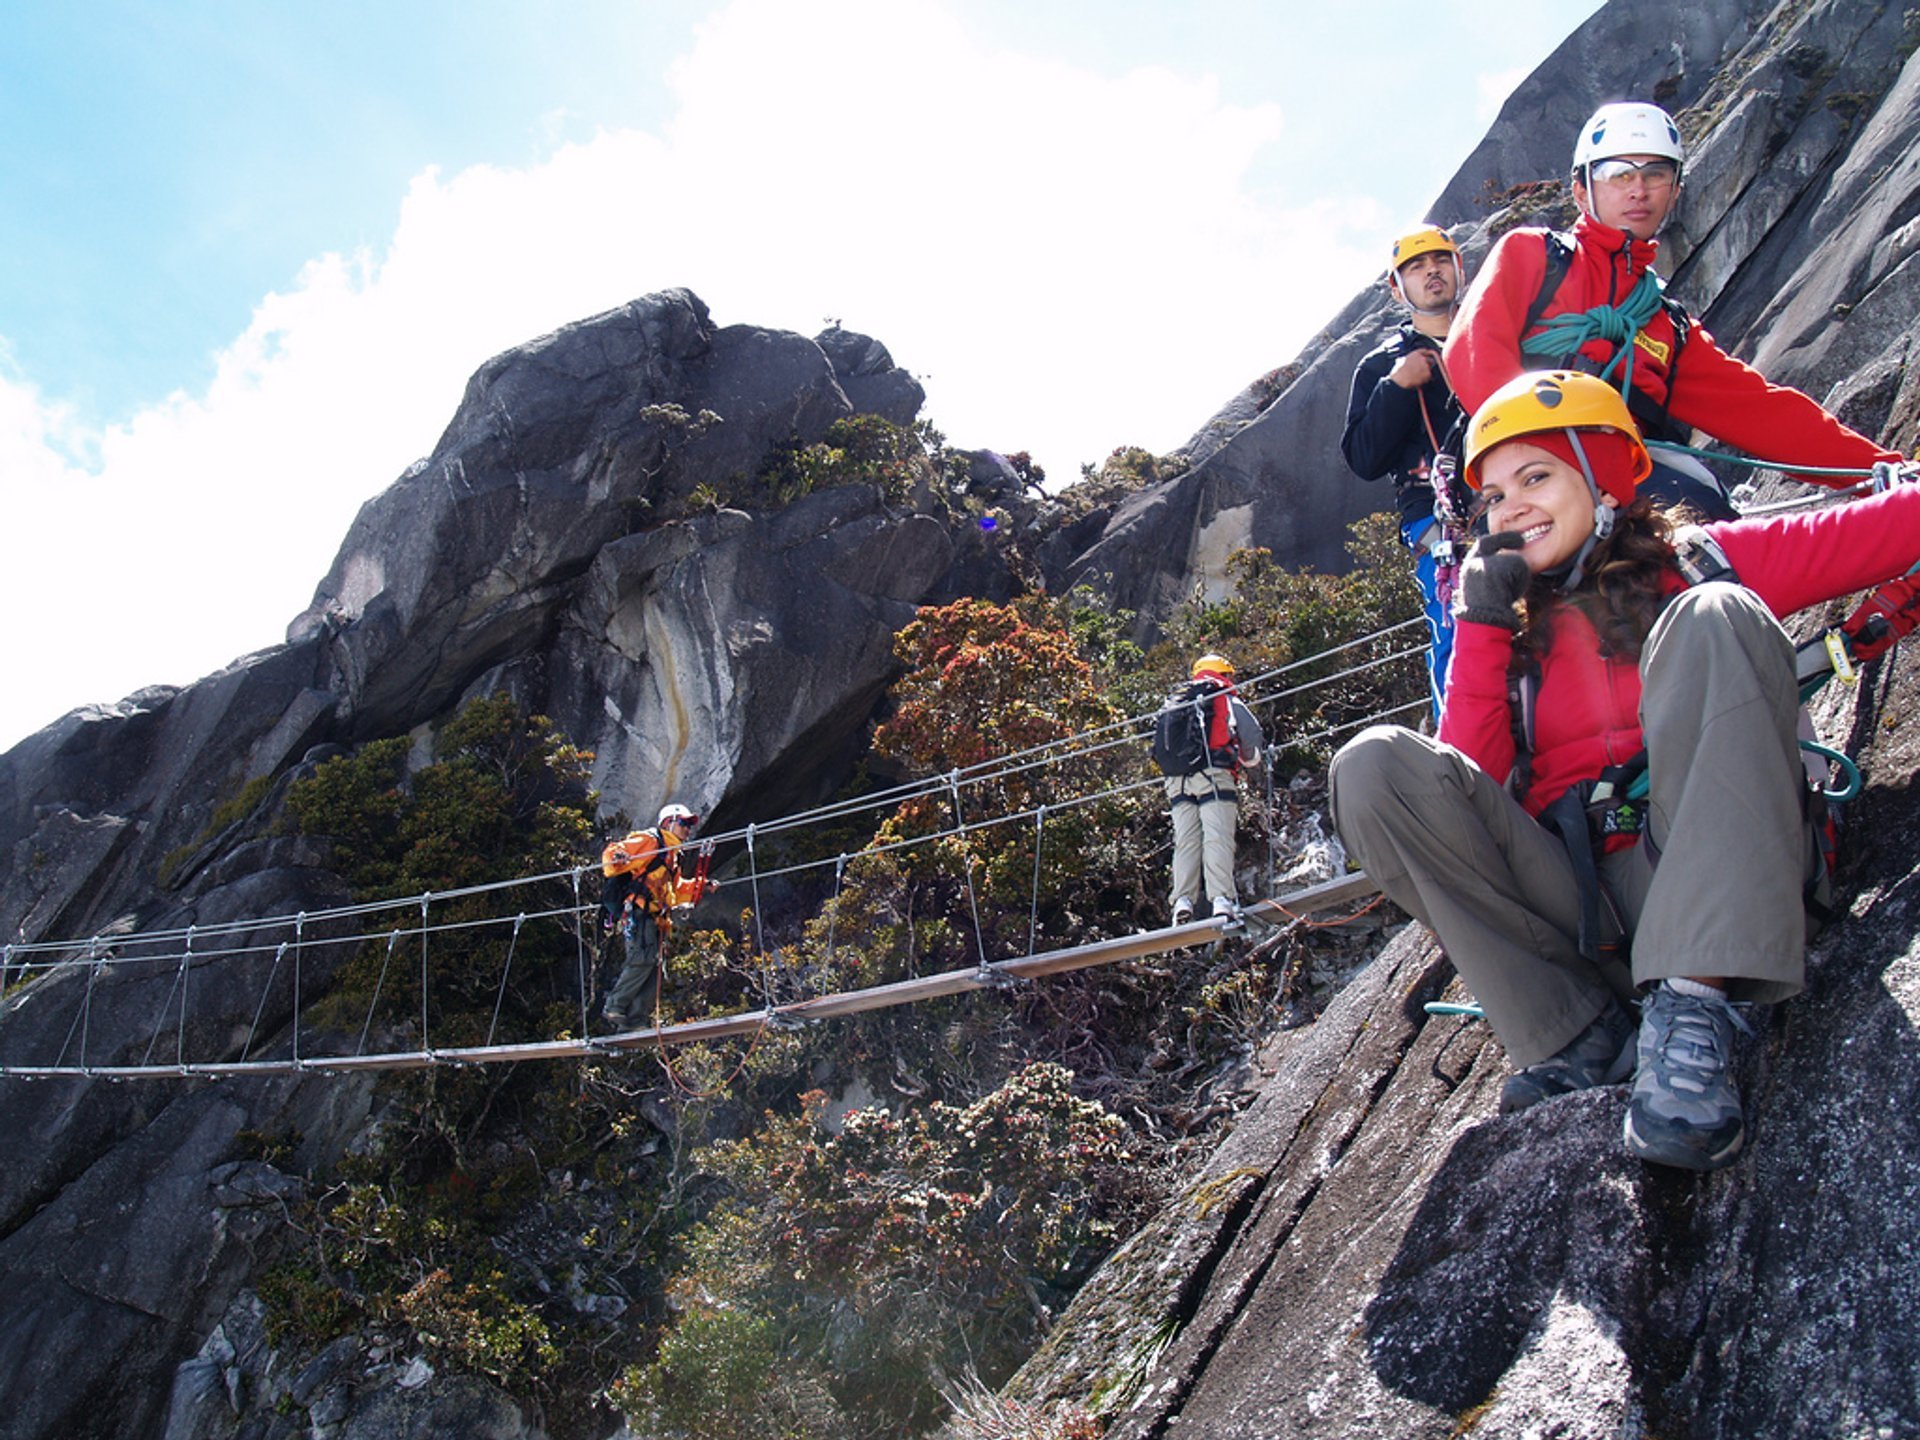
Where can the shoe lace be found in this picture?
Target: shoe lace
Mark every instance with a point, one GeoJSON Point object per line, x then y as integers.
{"type": "Point", "coordinates": [1695, 1035]}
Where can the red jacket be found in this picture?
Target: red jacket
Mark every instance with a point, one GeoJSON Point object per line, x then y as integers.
{"type": "Point", "coordinates": [1707, 388]}
{"type": "Point", "coordinates": [1587, 713]}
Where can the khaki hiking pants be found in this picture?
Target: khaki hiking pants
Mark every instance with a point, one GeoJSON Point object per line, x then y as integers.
{"type": "Point", "coordinates": [1206, 813]}
{"type": "Point", "coordinates": [1716, 893]}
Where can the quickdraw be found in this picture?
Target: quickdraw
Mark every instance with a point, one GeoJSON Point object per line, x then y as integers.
{"type": "Point", "coordinates": [1450, 550]}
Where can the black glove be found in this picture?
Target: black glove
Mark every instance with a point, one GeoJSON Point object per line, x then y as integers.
{"type": "Point", "coordinates": [1492, 580]}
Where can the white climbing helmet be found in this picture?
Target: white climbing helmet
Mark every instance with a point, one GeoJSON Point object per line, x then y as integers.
{"type": "Point", "coordinates": [1628, 128]}
{"type": "Point", "coordinates": [679, 817]}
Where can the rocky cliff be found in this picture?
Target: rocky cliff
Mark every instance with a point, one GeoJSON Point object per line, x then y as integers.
{"type": "Point", "coordinates": [1375, 1252]}
{"type": "Point", "coordinates": [1372, 1253]}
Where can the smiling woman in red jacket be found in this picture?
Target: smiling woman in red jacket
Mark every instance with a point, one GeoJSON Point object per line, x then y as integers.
{"type": "Point", "coordinates": [1575, 601]}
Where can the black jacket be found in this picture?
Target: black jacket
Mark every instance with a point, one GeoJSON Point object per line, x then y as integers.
{"type": "Point", "coordinates": [1385, 435]}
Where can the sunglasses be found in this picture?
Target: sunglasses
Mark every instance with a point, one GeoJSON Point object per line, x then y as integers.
{"type": "Point", "coordinates": [1658, 174]}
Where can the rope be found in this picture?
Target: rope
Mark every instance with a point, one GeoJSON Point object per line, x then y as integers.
{"type": "Point", "coordinates": [1752, 462]}
{"type": "Point", "coordinates": [299, 927]}
{"type": "Point", "coordinates": [579, 953]}
{"type": "Point", "coordinates": [753, 876]}
{"type": "Point", "coordinates": [1615, 324]}
{"type": "Point", "coordinates": [833, 907]}
{"type": "Point", "coordinates": [80, 1013]}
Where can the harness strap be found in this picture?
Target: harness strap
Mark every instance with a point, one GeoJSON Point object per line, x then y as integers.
{"type": "Point", "coordinates": [1557, 342]}
{"type": "Point", "coordinates": [1223, 796]}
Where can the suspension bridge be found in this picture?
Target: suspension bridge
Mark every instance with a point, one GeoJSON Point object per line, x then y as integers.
{"type": "Point", "coordinates": [182, 1042]}
{"type": "Point", "coordinates": [70, 978]}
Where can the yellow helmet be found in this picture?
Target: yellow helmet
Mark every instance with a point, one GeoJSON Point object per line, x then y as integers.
{"type": "Point", "coordinates": [1213, 665]}
{"type": "Point", "coordinates": [1553, 401]}
{"type": "Point", "coordinates": [1416, 243]}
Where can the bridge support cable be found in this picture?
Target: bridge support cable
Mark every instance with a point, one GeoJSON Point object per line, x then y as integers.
{"type": "Point", "coordinates": [266, 994]}
{"type": "Point", "coordinates": [506, 970]}
{"type": "Point", "coordinates": [299, 938]}
{"type": "Point", "coordinates": [1129, 731]}
{"type": "Point", "coordinates": [1033, 915]}
{"type": "Point", "coordinates": [833, 906]}
{"type": "Point", "coordinates": [373, 1005]}
{"type": "Point", "coordinates": [1283, 909]}
{"type": "Point", "coordinates": [160, 1021]}
{"type": "Point", "coordinates": [973, 903]}
{"type": "Point", "coordinates": [580, 954]}
{"type": "Point", "coordinates": [426, 1040]}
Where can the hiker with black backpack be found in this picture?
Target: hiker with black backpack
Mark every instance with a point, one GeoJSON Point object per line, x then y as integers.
{"type": "Point", "coordinates": [1400, 412]}
{"type": "Point", "coordinates": [1591, 301]}
{"type": "Point", "coordinates": [1582, 656]}
{"type": "Point", "coordinates": [1202, 737]}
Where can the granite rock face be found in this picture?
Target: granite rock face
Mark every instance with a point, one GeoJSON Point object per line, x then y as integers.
{"type": "Point", "coordinates": [1374, 1252]}
{"type": "Point", "coordinates": [554, 547]}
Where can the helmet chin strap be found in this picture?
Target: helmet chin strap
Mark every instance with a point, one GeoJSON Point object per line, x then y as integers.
{"type": "Point", "coordinates": [1602, 516]}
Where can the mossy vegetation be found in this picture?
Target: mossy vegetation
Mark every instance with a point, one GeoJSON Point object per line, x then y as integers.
{"type": "Point", "coordinates": [721, 1246]}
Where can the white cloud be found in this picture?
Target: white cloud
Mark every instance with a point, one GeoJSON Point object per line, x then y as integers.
{"type": "Point", "coordinates": [1070, 261]}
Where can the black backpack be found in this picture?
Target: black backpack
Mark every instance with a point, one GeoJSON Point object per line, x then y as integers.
{"type": "Point", "coordinates": [1180, 730]}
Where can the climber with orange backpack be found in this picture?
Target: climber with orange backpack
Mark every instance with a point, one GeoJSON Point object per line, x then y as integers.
{"type": "Point", "coordinates": [1202, 737]}
{"type": "Point", "coordinates": [645, 885]}
{"type": "Point", "coordinates": [1579, 592]}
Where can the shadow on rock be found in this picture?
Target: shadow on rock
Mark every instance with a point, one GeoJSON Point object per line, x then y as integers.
{"type": "Point", "coordinates": [1525, 1217]}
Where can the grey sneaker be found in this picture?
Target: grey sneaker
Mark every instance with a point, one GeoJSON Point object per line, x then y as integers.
{"type": "Point", "coordinates": [1601, 1054]}
{"type": "Point", "coordinates": [1182, 911]}
{"type": "Point", "coordinates": [1685, 1110]}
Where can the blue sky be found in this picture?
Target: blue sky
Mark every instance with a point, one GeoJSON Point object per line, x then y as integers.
{"type": "Point", "coordinates": [252, 252]}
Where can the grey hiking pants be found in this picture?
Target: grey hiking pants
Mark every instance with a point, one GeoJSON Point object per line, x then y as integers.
{"type": "Point", "coordinates": [1716, 892]}
{"type": "Point", "coordinates": [1206, 812]}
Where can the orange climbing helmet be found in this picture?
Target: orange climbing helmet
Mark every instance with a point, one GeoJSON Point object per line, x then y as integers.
{"type": "Point", "coordinates": [1421, 241]}
{"type": "Point", "coordinates": [1553, 402]}
{"type": "Point", "coordinates": [1213, 665]}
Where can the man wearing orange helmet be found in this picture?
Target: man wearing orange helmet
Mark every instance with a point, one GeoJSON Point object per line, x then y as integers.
{"type": "Point", "coordinates": [1582, 658]}
{"type": "Point", "coordinates": [1204, 735]}
{"type": "Point", "coordinates": [1592, 301]}
{"type": "Point", "coordinates": [1400, 412]}
{"type": "Point", "coordinates": [644, 887]}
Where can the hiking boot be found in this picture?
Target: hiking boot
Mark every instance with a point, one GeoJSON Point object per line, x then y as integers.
{"type": "Point", "coordinates": [1224, 906]}
{"type": "Point", "coordinates": [614, 1022]}
{"type": "Point", "coordinates": [1685, 1110]}
{"type": "Point", "coordinates": [1182, 911]}
{"type": "Point", "coordinates": [1601, 1054]}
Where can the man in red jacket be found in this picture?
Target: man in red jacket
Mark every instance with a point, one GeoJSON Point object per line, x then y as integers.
{"type": "Point", "coordinates": [1607, 315]}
